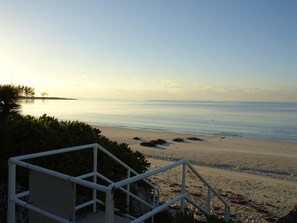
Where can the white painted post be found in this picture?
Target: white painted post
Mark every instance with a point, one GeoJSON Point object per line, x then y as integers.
{"type": "Point", "coordinates": [11, 192]}
{"type": "Point", "coordinates": [154, 205]}
{"type": "Point", "coordinates": [95, 178]}
{"type": "Point", "coordinates": [226, 213]}
{"type": "Point", "coordinates": [109, 208]}
{"type": "Point", "coordinates": [208, 200]}
{"type": "Point", "coordinates": [183, 187]}
{"type": "Point", "coordinates": [128, 189]}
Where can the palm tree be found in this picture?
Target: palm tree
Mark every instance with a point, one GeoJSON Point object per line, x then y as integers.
{"type": "Point", "coordinates": [25, 91]}
{"type": "Point", "coordinates": [9, 98]}
{"type": "Point", "coordinates": [29, 91]}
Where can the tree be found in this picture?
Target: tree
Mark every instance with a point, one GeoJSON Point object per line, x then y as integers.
{"type": "Point", "coordinates": [9, 100]}
{"type": "Point", "coordinates": [26, 91]}
{"type": "Point", "coordinates": [29, 91]}
{"type": "Point", "coordinates": [43, 94]}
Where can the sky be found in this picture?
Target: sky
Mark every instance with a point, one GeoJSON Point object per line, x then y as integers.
{"type": "Point", "coordinates": [243, 50]}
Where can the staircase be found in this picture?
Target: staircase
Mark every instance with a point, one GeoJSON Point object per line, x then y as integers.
{"type": "Point", "coordinates": [56, 202]}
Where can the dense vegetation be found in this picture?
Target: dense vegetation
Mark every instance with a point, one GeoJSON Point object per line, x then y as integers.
{"type": "Point", "coordinates": [26, 134]}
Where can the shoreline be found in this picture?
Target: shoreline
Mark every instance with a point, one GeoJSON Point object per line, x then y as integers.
{"type": "Point", "coordinates": [193, 133]}
{"type": "Point", "coordinates": [276, 159]}
{"type": "Point", "coordinates": [45, 98]}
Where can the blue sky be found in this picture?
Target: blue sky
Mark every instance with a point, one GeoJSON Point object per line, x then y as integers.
{"type": "Point", "coordinates": [204, 50]}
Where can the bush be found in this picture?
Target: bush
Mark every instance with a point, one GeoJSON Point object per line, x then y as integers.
{"type": "Point", "coordinates": [25, 134]}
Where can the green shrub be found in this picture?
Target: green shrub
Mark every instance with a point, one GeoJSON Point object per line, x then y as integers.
{"type": "Point", "coordinates": [25, 134]}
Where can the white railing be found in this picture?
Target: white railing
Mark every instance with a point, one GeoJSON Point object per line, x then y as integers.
{"type": "Point", "coordinates": [123, 185]}
{"type": "Point", "coordinates": [182, 196]}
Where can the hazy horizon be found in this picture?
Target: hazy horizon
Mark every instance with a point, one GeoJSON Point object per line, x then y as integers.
{"type": "Point", "coordinates": [152, 50]}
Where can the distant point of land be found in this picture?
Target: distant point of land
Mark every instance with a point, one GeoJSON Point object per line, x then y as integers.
{"type": "Point", "coordinates": [46, 98]}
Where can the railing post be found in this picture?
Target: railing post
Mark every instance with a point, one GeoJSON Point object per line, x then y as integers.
{"type": "Point", "coordinates": [95, 178]}
{"type": "Point", "coordinates": [226, 213]}
{"type": "Point", "coordinates": [183, 187]}
{"type": "Point", "coordinates": [208, 200]}
{"type": "Point", "coordinates": [11, 192]}
{"type": "Point", "coordinates": [154, 205]}
{"type": "Point", "coordinates": [128, 189]}
{"type": "Point", "coordinates": [109, 207]}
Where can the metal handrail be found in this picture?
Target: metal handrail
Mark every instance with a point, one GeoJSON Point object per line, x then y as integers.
{"type": "Point", "coordinates": [62, 176]}
{"type": "Point", "coordinates": [167, 167]}
{"type": "Point", "coordinates": [15, 198]}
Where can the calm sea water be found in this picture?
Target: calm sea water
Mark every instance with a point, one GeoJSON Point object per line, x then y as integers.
{"type": "Point", "coordinates": [265, 120]}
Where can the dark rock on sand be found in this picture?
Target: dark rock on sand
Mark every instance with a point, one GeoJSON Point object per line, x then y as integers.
{"type": "Point", "coordinates": [136, 138]}
{"type": "Point", "coordinates": [194, 139]}
{"type": "Point", "coordinates": [178, 140]}
{"type": "Point", "coordinates": [159, 141]}
{"type": "Point", "coordinates": [148, 144]}
{"type": "Point", "coordinates": [289, 218]}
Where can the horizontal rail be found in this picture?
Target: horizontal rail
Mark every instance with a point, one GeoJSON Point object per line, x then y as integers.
{"type": "Point", "coordinates": [100, 202]}
{"type": "Point", "coordinates": [56, 151]}
{"type": "Point", "coordinates": [60, 175]}
{"type": "Point", "coordinates": [86, 175]}
{"type": "Point", "coordinates": [22, 194]}
{"type": "Point", "coordinates": [125, 191]}
{"type": "Point", "coordinates": [84, 205]}
{"type": "Point", "coordinates": [76, 148]}
{"type": "Point", "coordinates": [144, 175]}
{"type": "Point", "coordinates": [40, 211]}
{"type": "Point", "coordinates": [158, 209]}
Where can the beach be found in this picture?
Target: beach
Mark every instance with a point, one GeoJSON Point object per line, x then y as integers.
{"type": "Point", "coordinates": [257, 177]}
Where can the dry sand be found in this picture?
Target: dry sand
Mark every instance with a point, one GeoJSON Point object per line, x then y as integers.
{"type": "Point", "coordinates": [257, 177]}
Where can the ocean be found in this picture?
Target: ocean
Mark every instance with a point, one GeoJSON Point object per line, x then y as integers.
{"type": "Point", "coordinates": [264, 120]}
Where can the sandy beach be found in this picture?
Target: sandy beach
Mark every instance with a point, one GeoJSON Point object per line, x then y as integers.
{"type": "Point", "coordinates": [257, 177]}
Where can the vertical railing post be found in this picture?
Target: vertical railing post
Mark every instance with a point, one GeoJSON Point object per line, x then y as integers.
{"type": "Point", "coordinates": [154, 205]}
{"type": "Point", "coordinates": [128, 189]}
{"type": "Point", "coordinates": [11, 191]}
{"type": "Point", "coordinates": [183, 187]}
{"type": "Point", "coordinates": [95, 151]}
{"type": "Point", "coordinates": [109, 207]}
{"type": "Point", "coordinates": [226, 213]}
{"type": "Point", "coordinates": [208, 200]}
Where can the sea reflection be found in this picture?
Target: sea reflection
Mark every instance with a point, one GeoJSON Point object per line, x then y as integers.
{"type": "Point", "coordinates": [27, 101]}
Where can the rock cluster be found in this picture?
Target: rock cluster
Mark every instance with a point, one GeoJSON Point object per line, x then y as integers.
{"type": "Point", "coordinates": [178, 140]}
{"type": "Point", "coordinates": [152, 143]}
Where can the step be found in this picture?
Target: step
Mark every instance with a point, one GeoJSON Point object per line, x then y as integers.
{"type": "Point", "coordinates": [99, 217]}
